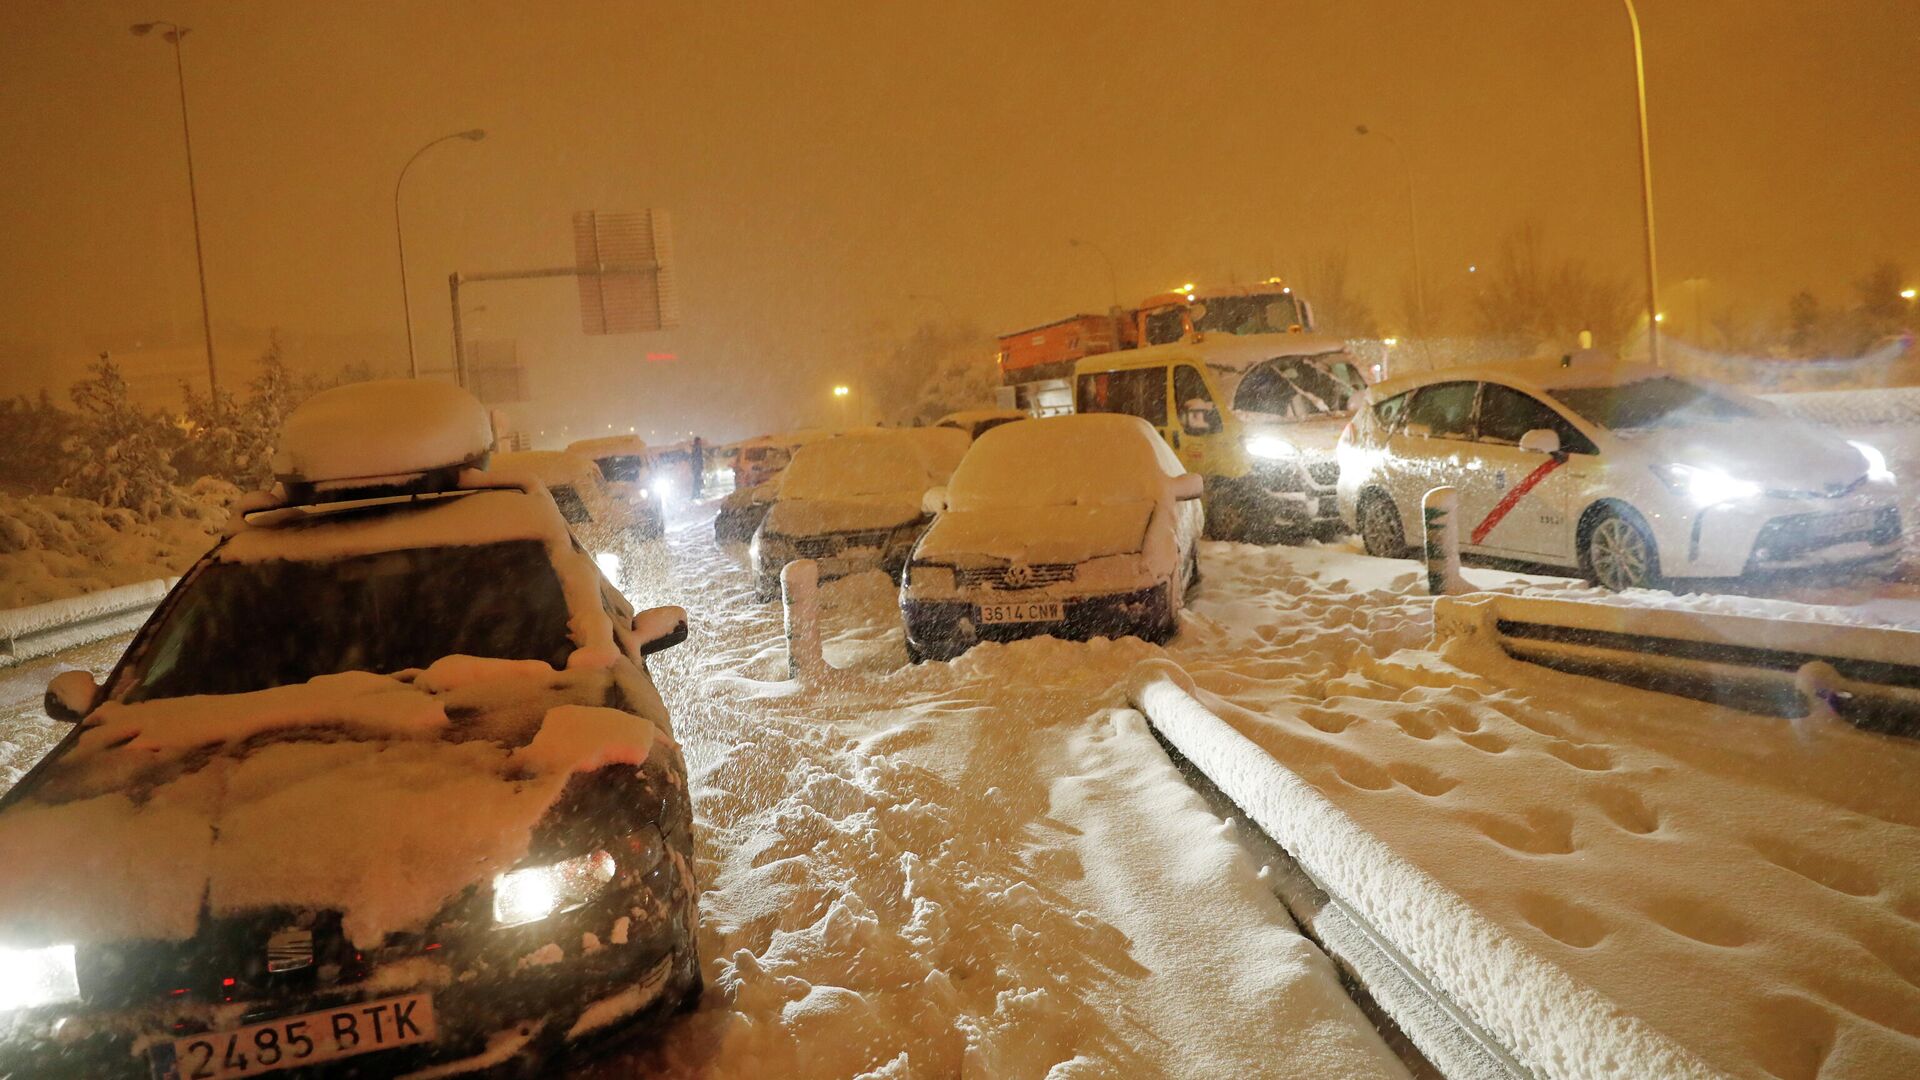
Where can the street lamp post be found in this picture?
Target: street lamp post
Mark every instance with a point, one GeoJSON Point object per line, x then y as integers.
{"type": "Point", "coordinates": [1113, 279]}
{"type": "Point", "coordinates": [173, 32]}
{"type": "Point", "coordinates": [1646, 189]}
{"type": "Point", "coordinates": [400, 239]}
{"type": "Point", "coordinates": [1413, 225]}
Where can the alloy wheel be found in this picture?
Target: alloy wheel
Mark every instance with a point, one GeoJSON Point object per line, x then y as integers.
{"type": "Point", "coordinates": [1619, 555]}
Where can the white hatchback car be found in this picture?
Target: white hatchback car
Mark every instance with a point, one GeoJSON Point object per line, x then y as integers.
{"type": "Point", "coordinates": [1629, 474]}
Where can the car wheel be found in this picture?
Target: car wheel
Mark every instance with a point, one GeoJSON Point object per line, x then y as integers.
{"type": "Point", "coordinates": [1617, 552]}
{"type": "Point", "coordinates": [1380, 530]}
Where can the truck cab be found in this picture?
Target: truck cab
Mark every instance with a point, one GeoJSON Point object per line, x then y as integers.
{"type": "Point", "coordinates": [1257, 415]}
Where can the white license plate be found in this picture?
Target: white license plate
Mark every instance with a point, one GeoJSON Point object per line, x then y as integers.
{"type": "Point", "coordinates": [1842, 524]}
{"type": "Point", "coordinates": [1019, 611]}
{"type": "Point", "coordinates": [290, 1041]}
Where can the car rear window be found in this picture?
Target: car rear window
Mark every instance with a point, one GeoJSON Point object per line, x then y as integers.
{"type": "Point", "coordinates": [238, 627]}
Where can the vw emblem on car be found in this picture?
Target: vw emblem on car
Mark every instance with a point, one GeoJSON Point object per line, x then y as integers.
{"type": "Point", "coordinates": [1019, 576]}
{"type": "Point", "coordinates": [290, 950]}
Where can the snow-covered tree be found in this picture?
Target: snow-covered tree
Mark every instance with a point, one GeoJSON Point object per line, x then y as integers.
{"type": "Point", "coordinates": [119, 455]}
{"type": "Point", "coordinates": [233, 438]}
{"type": "Point", "coordinates": [936, 369]}
{"type": "Point", "coordinates": [1526, 299]}
{"type": "Point", "coordinates": [36, 432]}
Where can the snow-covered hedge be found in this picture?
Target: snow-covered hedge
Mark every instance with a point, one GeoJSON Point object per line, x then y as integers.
{"type": "Point", "coordinates": [53, 547]}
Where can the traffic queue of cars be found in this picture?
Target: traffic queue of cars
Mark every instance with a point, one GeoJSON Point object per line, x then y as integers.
{"type": "Point", "coordinates": [383, 784]}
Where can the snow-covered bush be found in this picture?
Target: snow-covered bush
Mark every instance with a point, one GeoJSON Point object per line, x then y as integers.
{"type": "Point", "coordinates": [119, 455]}
{"type": "Point", "coordinates": [53, 546]}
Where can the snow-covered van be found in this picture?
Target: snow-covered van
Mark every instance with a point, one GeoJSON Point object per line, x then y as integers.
{"type": "Point", "coordinates": [1073, 526]}
{"type": "Point", "coordinates": [851, 504]}
{"type": "Point", "coordinates": [1258, 415]}
{"type": "Point", "coordinates": [605, 516]}
{"type": "Point", "coordinates": [383, 785]}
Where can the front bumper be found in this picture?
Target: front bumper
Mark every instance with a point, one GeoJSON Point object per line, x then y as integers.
{"type": "Point", "coordinates": [944, 629]}
{"type": "Point", "coordinates": [1772, 535]}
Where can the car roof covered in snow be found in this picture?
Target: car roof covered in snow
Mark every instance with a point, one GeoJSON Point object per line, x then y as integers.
{"type": "Point", "coordinates": [788, 438]}
{"type": "Point", "coordinates": [1234, 352]}
{"type": "Point", "coordinates": [608, 446]}
{"type": "Point", "coordinates": [969, 417]}
{"type": "Point", "coordinates": [874, 462]}
{"type": "Point", "coordinates": [550, 467]}
{"type": "Point", "coordinates": [1583, 368]}
{"type": "Point", "coordinates": [1087, 459]}
{"type": "Point", "coordinates": [940, 448]}
{"type": "Point", "coordinates": [382, 429]}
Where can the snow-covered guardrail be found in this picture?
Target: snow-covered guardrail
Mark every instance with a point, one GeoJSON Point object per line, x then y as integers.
{"type": "Point", "coordinates": [1867, 675]}
{"type": "Point", "coordinates": [1893, 405]}
{"type": "Point", "coordinates": [1529, 1014]}
{"type": "Point", "coordinates": [39, 629]}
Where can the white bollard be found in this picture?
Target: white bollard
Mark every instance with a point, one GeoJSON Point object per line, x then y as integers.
{"type": "Point", "coordinates": [800, 596]}
{"type": "Point", "coordinates": [1443, 543]}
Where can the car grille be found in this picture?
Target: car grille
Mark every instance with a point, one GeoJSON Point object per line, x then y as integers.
{"type": "Point", "coordinates": [1016, 576]}
{"type": "Point", "coordinates": [1831, 491]}
{"type": "Point", "coordinates": [821, 547]}
{"type": "Point", "coordinates": [1787, 538]}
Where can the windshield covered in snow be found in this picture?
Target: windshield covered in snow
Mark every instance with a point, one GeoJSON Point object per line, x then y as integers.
{"type": "Point", "coordinates": [1664, 402]}
{"type": "Point", "coordinates": [1297, 387]}
{"type": "Point", "coordinates": [1271, 313]}
{"type": "Point", "coordinates": [623, 468]}
{"type": "Point", "coordinates": [853, 466]}
{"type": "Point", "coordinates": [1063, 461]}
{"type": "Point", "coordinates": [237, 627]}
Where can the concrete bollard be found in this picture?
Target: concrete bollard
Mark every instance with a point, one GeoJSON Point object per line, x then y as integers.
{"type": "Point", "coordinates": [1443, 543]}
{"type": "Point", "coordinates": [800, 597]}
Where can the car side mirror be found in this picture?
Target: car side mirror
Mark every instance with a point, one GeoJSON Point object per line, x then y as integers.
{"type": "Point", "coordinates": [1188, 486]}
{"type": "Point", "coordinates": [1541, 441]}
{"type": "Point", "coordinates": [71, 696]}
{"type": "Point", "coordinates": [934, 501]}
{"type": "Point", "coordinates": [660, 628]}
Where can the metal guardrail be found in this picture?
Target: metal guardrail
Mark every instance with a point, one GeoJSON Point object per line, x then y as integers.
{"type": "Point", "coordinates": [40, 629]}
{"type": "Point", "coordinates": [1868, 676]}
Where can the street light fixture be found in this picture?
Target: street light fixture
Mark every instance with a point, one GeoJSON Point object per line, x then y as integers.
{"type": "Point", "coordinates": [1413, 224]}
{"type": "Point", "coordinates": [400, 238]}
{"type": "Point", "coordinates": [173, 32]}
{"type": "Point", "coordinates": [841, 391]}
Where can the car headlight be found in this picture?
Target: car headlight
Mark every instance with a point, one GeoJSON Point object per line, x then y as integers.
{"type": "Point", "coordinates": [1877, 471]}
{"type": "Point", "coordinates": [1704, 486]}
{"type": "Point", "coordinates": [662, 488]}
{"type": "Point", "coordinates": [531, 894]}
{"type": "Point", "coordinates": [30, 978]}
{"type": "Point", "coordinates": [1270, 447]}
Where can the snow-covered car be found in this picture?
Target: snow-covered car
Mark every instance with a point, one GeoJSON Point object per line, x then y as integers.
{"type": "Point", "coordinates": [977, 422]}
{"type": "Point", "coordinates": [761, 459]}
{"type": "Point", "coordinates": [1628, 474]}
{"type": "Point", "coordinates": [383, 784]}
{"type": "Point", "coordinates": [1258, 415]}
{"type": "Point", "coordinates": [604, 517]}
{"type": "Point", "coordinates": [741, 511]}
{"type": "Point", "coordinates": [626, 465]}
{"type": "Point", "coordinates": [1075, 526]}
{"type": "Point", "coordinates": [850, 504]}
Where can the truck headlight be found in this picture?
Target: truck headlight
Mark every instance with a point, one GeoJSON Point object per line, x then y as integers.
{"type": "Point", "coordinates": [1270, 447]}
{"type": "Point", "coordinates": [531, 894]}
{"type": "Point", "coordinates": [1704, 486]}
{"type": "Point", "coordinates": [1877, 471]}
{"type": "Point", "coordinates": [30, 978]}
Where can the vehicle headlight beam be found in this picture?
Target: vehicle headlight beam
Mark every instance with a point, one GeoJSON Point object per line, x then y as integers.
{"type": "Point", "coordinates": [1877, 470]}
{"type": "Point", "coordinates": [31, 978]}
{"type": "Point", "coordinates": [533, 893]}
{"type": "Point", "coordinates": [1270, 447]}
{"type": "Point", "coordinates": [1705, 486]}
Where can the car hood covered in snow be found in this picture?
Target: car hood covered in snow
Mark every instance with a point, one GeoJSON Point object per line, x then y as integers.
{"type": "Point", "coordinates": [824, 517]}
{"type": "Point", "coordinates": [1051, 534]}
{"type": "Point", "coordinates": [1780, 455]}
{"type": "Point", "coordinates": [380, 797]}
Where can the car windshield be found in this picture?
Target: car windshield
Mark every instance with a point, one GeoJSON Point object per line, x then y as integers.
{"type": "Point", "coordinates": [854, 466]}
{"type": "Point", "coordinates": [238, 627]}
{"type": "Point", "coordinates": [623, 468]}
{"type": "Point", "coordinates": [1663, 402]}
{"type": "Point", "coordinates": [1269, 313]}
{"type": "Point", "coordinates": [1298, 387]}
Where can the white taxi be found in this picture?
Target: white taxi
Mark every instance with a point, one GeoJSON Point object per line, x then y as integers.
{"type": "Point", "coordinates": [1628, 474]}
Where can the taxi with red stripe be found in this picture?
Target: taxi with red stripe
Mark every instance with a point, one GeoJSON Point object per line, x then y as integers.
{"type": "Point", "coordinates": [1632, 476]}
